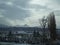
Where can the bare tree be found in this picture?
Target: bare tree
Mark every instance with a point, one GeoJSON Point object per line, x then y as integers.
{"type": "Point", "coordinates": [43, 24]}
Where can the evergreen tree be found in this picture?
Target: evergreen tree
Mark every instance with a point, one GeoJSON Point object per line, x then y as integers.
{"type": "Point", "coordinates": [9, 34]}
{"type": "Point", "coordinates": [37, 33]}
{"type": "Point", "coordinates": [52, 26]}
{"type": "Point", "coordinates": [34, 33]}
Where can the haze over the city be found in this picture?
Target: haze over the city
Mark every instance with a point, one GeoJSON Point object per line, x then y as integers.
{"type": "Point", "coordinates": [27, 12]}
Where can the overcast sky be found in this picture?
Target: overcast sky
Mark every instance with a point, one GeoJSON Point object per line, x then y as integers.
{"type": "Point", "coordinates": [22, 12]}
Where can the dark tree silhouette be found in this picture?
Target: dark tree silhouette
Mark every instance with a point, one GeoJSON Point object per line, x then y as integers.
{"type": "Point", "coordinates": [37, 33]}
{"type": "Point", "coordinates": [34, 33]}
{"type": "Point", "coordinates": [9, 35]}
{"type": "Point", "coordinates": [52, 26]}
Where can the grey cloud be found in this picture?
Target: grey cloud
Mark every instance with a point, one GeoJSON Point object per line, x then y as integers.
{"type": "Point", "coordinates": [4, 22]}
{"type": "Point", "coordinates": [13, 12]}
{"type": "Point", "coordinates": [22, 3]}
{"type": "Point", "coordinates": [57, 13]}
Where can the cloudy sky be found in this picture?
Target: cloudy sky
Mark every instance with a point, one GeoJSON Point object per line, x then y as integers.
{"type": "Point", "coordinates": [22, 12]}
